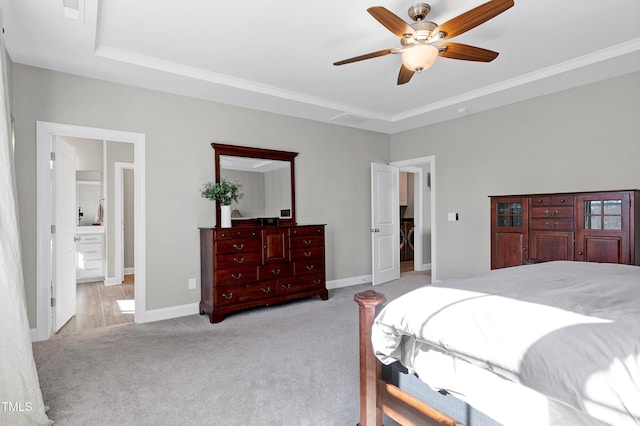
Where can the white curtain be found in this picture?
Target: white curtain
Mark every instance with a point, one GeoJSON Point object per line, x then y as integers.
{"type": "Point", "coordinates": [20, 396]}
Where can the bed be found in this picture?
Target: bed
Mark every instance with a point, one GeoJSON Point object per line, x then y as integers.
{"type": "Point", "coordinates": [555, 343]}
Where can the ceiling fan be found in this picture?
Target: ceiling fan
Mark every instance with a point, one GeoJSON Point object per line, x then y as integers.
{"type": "Point", "coordinates": [422, 41]}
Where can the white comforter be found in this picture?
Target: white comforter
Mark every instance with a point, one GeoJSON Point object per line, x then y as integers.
{"type": "Point", "coordinates": [568, 330]}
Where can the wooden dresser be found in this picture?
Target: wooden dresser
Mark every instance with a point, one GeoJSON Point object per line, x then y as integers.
{"type": "Point", "coordinates": [249, 266]}
{"type": "Point", "coordinates": [583, 226]}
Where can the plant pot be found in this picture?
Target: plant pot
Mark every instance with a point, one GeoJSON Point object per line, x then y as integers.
{"type": "Point", "coordinates": [225, 216]}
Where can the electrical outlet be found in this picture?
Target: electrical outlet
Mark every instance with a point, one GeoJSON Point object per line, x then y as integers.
{"type": "Point", "coordinates": [192, 283]}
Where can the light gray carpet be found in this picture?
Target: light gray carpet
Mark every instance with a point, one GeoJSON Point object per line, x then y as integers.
{"type": "Point", "coordinates": [293, 364]}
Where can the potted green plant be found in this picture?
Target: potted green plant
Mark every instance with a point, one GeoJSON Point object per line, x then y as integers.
{"type": "Point", "coordinates": [225, 193]}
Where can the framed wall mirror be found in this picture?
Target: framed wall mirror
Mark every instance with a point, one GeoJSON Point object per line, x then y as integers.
{"type": "Point", "coordinates": [268, 182]}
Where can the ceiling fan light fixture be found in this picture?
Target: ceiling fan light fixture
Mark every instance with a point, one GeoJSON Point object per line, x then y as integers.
{"type": "Point", "coordinates": [420, 57]}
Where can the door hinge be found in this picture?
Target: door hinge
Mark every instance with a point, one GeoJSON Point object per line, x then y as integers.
{"type": "Point", "coordinates": [53, 302]}
{"type": "Point", "coordinates": [53, 156]}
{"type": "Point", "coordinates": [53, 229]}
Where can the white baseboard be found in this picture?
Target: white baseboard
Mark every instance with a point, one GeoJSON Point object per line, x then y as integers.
{"type": "Point", "coordinates": [129, 271]}
{"type": "Point", "coordinates": [424, 267]}
{"type": "Point", "coordinates": [194, 308]}
{"type": "Point", "coordinates": [112, 281]}
{"type": "Point", "coordinates": [172, 312]}
{"type": "Point", "coordinates": [347, 282]}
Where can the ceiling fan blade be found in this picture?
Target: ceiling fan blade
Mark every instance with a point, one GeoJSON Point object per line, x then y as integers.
{"type": "Point", "coordinates": [405, 75]}
{"type": "Point", "coordinates": [363, 57]}
{"type": "Point", "coordinates": [473, 18]}
{"type": "Point", "coordinates": [466, 52]}
{"type": "Point", "coordinates": [391, 21]}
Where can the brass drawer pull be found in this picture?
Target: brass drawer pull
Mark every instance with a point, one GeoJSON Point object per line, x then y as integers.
{"type": "Point", "coordinates": [236, 277]}
{"type": "Point", "coordinates": [307, 242]}
{"type": "Point", "coordinates": [275, 271]}
{"type": "Point", "coordinates": [266, 290]}
{"type": "Point", "coordinates": [227, 296]}
{"type": "Point", "coordinates": [238, 247]}
{"type": "Point", "coordinates": [551, 225]}
{"type": "Point", "coordinates": [286, 286]}
{"type": "Point", "coordinates": [310, 267]}
{"type": "Point", "coordinates": [318, 281]}
{"type": "Point", "coordinates": [238, 259]}
{"type": "Point", "coordinates": [553, 213]}
{"type": "Point", "coordinates": [307, 254]}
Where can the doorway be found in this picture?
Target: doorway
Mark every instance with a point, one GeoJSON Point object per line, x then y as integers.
{"type": "Point", "coordinates": [420, 232]}
{"type": "Point", "coordinates": [46, 285]}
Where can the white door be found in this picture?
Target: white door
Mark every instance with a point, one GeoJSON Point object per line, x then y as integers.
{"type": "Point", "coordinates": [385, 223]}
{"type": "Point", "coordinates": [64, 245]}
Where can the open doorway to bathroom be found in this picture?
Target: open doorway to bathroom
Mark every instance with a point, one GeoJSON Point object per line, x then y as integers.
{"type": "Point", "coordinates": [105, 269]}
{"type": "Point", "coordinates": [102, 296]}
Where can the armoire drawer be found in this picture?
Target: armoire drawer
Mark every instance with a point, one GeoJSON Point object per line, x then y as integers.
{"type": "Point", "coordinates": [553, 200]}
{"type": "Point", "coordinates": [551, 224]}
{"type": "Point", "coordinates": [552, 212]}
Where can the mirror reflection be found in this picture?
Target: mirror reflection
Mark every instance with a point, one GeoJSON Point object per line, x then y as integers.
{"type": "Point", "coordinates": [88, 198]}
{"type": "Point", "coordinates": [266, 185]}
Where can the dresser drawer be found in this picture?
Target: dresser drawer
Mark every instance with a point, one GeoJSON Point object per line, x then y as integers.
{"type": "Point", "coordinates": [300, 284]}
{"type": "Point", "coordinates": [307, 241]}
{"type": "Point", "coordinates": [236, 275]}
{"type": "Point", "coordinates": [552, 212]}
{"type": "Point", "coordinates": [235, 294]}
{"type": "Point", "coordinates": [234, 260]}
{"type": "Point", "coordinates": [303, 254]}
{"type": "Point", "coordinates": [309, 267]}
{"type": "Point", "coordinates": [238, 245]}
{"type": "Point", "coordinates": [551, 224]}
{"type": "Point", "coordinates": [307, 230]}
{"type": "Point", "coordinates": [90, 251]}
{"type": "Point", "coordinates": [227, 234]}
{"type": "Point", "coordinates": [275, 270]}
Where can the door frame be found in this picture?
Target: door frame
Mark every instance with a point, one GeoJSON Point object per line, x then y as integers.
{"type": "Point", "coordinates": [411, 166]}
{"type": "Point", "coordinates": [119, 169]}
{"type": "Point", "coordinates": [45, 132]}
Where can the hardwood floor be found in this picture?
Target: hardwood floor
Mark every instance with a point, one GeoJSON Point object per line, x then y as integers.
{"type": "Point", "coordinates": [99, 306]}
{"type": "Point", "coordinates": [406, 266]}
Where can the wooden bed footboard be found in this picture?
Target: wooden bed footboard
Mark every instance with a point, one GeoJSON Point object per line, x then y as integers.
{"type": "Point", "coordinates": [378, 396]}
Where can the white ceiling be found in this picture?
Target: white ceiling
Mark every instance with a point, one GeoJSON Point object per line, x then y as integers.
{"type": "Point", "coordinates": [277, 56]}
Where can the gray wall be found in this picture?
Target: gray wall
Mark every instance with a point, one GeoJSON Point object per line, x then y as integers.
{"type": "Point", "coordinates": [583, 139]}
{"type": "Point", "coordinates": [332, 171]}
{"type": "Point", "coordinates": [128, 211]}
{"type": "Point", "coordinates": [115, 152]}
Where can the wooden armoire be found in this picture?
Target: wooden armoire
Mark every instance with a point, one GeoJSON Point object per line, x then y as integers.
{"type": "Point", "coordinates": [601, 226]}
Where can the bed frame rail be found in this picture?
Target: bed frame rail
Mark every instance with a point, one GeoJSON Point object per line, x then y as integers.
{"type": "Point", "coordinates": [378, 396]}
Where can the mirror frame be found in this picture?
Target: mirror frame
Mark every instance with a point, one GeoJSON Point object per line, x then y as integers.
{"type": "Point", "coordinates": [269, 154]}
